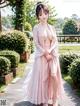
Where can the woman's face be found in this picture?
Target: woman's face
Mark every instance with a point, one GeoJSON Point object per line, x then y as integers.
{"type": "Point", "coordinates": [43, 16]}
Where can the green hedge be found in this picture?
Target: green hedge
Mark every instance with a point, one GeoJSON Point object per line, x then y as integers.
{"type": "Point", "coordinates": [5, 65]}
{"type": "Point", "coordinates": [74, 71]}
{"type": "Point", "coordinates": [29, 34]}
{"type": "Point", "coordinates": [13, 40]}
{"type": "Point", "coordinates": [65, 60]}
{"type": "Point", "coordinates": [31, 43]}
{"type": "Point", "coordinates": [13, 56]}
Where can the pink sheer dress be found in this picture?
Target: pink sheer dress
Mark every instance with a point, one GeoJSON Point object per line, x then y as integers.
{"type": "Point", "coordinates": [38, 85]}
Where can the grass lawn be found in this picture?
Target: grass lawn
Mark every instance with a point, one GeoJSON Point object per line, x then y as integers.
{"type": "Point", "coordinates": [64, 49]}
{"type": "Point", "coordinates": [67, 78]}
{"type": "Point", "coordinates": [2, 87]}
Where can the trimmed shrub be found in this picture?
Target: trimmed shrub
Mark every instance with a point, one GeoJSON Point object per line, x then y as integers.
{"type": "Point", "coordinates": [13, 40]}
{"type": "Point", "coordinates": [28, 26]}
{"type": "Point", "coordinates": [32, 46]}
{"type": "Point", "coordinates": [31, 43]}
{"type": "Point", "coordinates": [5, 65]}
{"type": "Point", "coordinates": [29, 34]}
{"type": "Point", "coordinates": [66, 60]}
{"type": "Point", "coordinates": [74, 71]}
{"type": "Point", "coordinates": [13, 56]}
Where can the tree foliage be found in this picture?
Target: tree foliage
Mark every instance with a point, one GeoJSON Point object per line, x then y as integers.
{"type": "Point", "coordinates": [18, 7]}
{"type": "Point", "coordinates": [70, 27]}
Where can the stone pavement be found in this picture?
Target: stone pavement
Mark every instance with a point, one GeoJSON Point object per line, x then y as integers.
{"type": "Point", "coordinates": [13, 94]}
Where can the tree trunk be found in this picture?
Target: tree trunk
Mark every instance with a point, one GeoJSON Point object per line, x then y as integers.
{"type": "Point", "coordinates": [19, 21]}
{"type": "Point", "coordinates": [0, 21]}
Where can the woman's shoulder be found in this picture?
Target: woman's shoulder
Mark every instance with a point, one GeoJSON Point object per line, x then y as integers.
{"type": "Point", "coordinates": [35, 27]}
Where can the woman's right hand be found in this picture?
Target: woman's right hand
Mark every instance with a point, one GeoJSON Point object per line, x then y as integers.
{"type": "Point", "coordinates": [46, 53]}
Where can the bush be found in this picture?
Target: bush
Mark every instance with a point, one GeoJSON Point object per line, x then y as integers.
{"type": "Point", "coordinates": [74, 71]}
{"type": "Point", "coordinates": [32, 46]}
{"type": "Point", "coordinates": [29, 34]}
{"type": "Point", "coordinates": [5, 65]}
{"type": "Point", "coordinates": [66, 60]}
{"type": "Point", "coordinates": [28, 26]}
{"type": "Point", "coordinates": [13, 56]}
{"type": "Point", "coordinates": [30, 41]}
{"type": "Point", "coordinates": [13, 40]}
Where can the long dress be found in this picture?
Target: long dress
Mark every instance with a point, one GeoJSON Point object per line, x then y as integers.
{"type": "Point", "coordinates": [38, 86]}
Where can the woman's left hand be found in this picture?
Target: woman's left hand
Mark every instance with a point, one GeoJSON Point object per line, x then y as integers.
{"type": "Point", "coordinates": [49, 57]}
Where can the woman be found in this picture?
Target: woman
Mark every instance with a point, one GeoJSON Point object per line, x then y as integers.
{"type": "Point", "coordinates": [44, 83]}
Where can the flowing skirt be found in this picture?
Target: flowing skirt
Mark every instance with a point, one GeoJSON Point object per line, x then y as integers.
{"type": "Point", "coordinates": [38, 86]}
